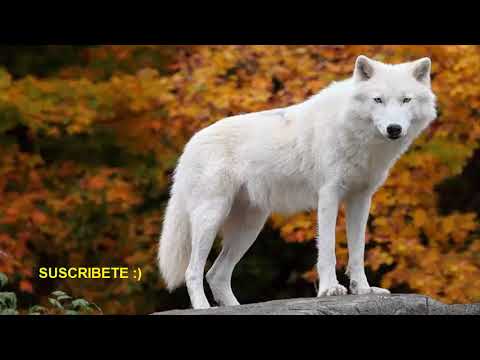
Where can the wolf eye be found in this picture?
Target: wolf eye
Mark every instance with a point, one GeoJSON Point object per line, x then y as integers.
{"type": "Point", "coordinates": [407, 100]}
{"type": "Point", "coordinates": [378, 100]}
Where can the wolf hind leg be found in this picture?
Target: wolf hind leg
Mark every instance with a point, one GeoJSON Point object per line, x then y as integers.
{"type": "Point", "coordinates": [240, 231]}
{"type": "Point", "coordinates": [206, 221]}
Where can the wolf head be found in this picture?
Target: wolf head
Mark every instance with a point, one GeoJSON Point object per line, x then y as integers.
{"type": "Point", "coordinates": [396, 101]}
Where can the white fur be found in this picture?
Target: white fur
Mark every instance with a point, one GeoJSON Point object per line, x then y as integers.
{"type": "Point", "coordinates": [329, 149]}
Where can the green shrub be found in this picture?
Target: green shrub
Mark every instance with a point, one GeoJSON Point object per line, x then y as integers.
{"type": "Point", "coordinates": [59, 303]}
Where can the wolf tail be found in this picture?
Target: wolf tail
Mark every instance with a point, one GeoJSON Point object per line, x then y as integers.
{"type": "Point", "coordinates": [175, 245]}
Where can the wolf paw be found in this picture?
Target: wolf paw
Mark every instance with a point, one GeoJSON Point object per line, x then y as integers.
{"type": "Point", "coordinates": [336, 290]}
{"type": "Point", "coordinates": [355, 290]}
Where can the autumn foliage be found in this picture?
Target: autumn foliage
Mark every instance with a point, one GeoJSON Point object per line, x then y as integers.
{"type": "Point", "coordinates": [88, 150]}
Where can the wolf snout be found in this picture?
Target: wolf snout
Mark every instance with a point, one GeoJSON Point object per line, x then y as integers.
{"type": "Point", "coordinates": [394, 131]}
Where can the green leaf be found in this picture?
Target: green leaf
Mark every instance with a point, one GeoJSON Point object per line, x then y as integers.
{"type": "Point", "coordinates": [97, 307]}
{"type": "Point", "coordinates": [3, 280]}
{"type": "Point", "coordinates": [55, 303]}
{"type": "Point", "coordinates": [80, 303]}
{"type": "Point", "coordinates": [63, 297]}
{"type": "Point", "coordinates": [9, 312]}
{"type": "Point", "coordinates": [37, 309]}
{"type": "Point", "coordinates": [8, 300]}
{"type": "Point", "coordinates": [59, 293]}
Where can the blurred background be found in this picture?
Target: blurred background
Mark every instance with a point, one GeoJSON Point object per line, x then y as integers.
{"type": "Point", "coordinates": [89, 137]}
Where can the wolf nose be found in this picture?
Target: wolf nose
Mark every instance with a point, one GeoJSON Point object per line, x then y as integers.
{"type": "Point", "coordinates": [394, 131]}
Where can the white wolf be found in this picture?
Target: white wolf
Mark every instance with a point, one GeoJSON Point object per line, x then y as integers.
{"type": "Point", "coordinates": [337, 146]}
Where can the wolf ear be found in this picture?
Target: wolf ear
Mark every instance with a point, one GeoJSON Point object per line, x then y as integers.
{"type": "Point", "coordinates": [422, 69]}
{"type": "Point", "coordinates": [364, 69]}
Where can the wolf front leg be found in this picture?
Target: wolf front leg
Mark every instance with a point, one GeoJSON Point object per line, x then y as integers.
{"type": "Point", "coordinates": [358, 208]}
{"type": "Point", "coordinates": [329, 199]}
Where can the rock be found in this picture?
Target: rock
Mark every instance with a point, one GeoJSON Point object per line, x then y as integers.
{"type": "Point", "coordinates": [396, 304]}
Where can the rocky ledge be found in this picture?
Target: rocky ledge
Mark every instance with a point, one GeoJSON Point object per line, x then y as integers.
{"type": "Point", "coordinates": [396, 304]}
